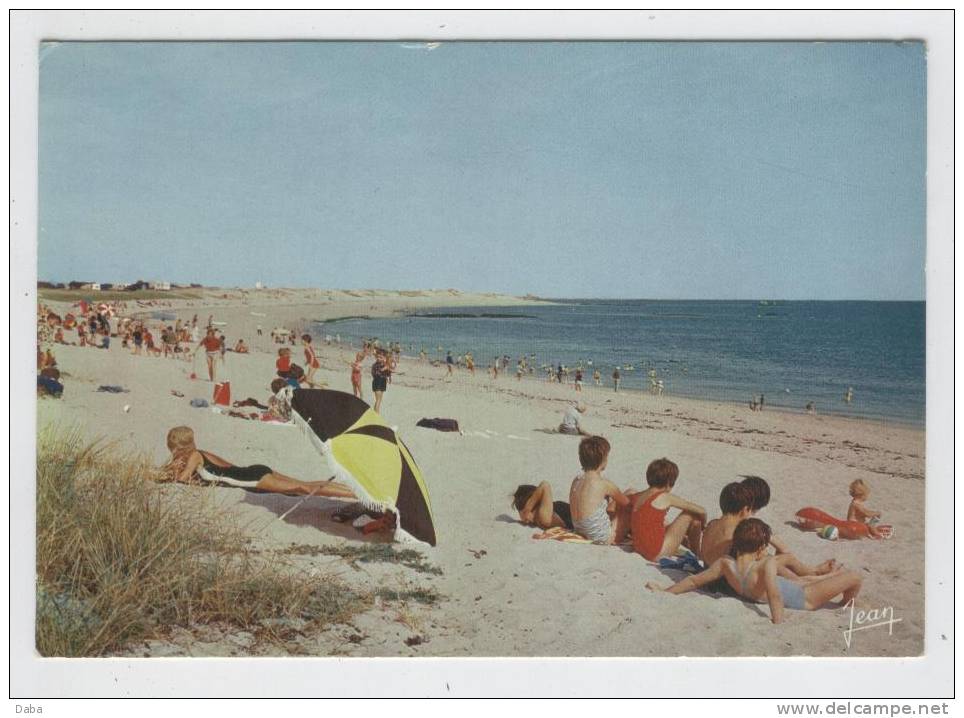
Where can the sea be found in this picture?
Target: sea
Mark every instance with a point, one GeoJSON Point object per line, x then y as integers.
{"type": "Point", "coordinates": [791, 352]}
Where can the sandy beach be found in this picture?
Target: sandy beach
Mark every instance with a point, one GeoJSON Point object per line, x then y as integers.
{"type": "Point", "coordinates": [506, 594]}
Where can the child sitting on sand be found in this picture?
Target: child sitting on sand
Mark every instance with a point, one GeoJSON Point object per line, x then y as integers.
{"type": "Point", "coordinates": [592, 497]}
{"type": "Point", "coordinates": [756, 577]}
{"type": "Point", "coordinates": [760, 490]}
{"type": "Point", "coordinates": [536, 507]}
{"type": "Point", "coordinates": [736, 503]}
{"type": "Point", "coordinates": [857, 511]}
{"type": "Point", "coordinates": [651, 537]}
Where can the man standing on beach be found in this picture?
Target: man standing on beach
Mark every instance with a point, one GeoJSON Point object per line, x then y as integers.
{"type": "Point", "coordinates": [450, 362]}
{"type": "Point", "coordinates": [616, 379]}
{"type": "Point", "coordinates": [212, 350]}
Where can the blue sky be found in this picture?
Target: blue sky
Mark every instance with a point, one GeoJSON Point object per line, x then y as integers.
{"type": "Point", "coordinates": [666, 170]}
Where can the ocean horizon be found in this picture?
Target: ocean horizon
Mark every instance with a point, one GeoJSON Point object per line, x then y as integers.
{"type": "Point", "coordinates": [793, 352]}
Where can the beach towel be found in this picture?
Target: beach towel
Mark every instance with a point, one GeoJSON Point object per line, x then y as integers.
{"type": "Point", "coordinates": [557, 533]}
{"type": "Point", "coordinates": [684, 560]}
{"type": "Point", "coordinates": [439, 424]}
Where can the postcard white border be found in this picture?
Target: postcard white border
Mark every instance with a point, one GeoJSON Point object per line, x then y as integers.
{"type": "Point", "coordinates": [930, 675]}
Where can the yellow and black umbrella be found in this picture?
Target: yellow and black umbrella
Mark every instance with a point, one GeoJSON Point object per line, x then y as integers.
{"type": "Point", "coordinates": [366, 453]}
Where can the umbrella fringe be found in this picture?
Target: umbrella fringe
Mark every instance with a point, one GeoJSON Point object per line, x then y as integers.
{"type": "Point", "coordinates": [340, 472]}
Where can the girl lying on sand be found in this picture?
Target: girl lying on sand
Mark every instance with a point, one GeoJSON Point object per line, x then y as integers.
{"type": "Point", "coordinates": [190, 465]}
{"type": "Point", "coordinates": [755, 576]}
{"type": "Point", "coordinates": [536, 507]}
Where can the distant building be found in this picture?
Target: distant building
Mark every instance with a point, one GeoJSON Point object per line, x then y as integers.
{"type": "Point", "coordinates": [163, 286]}
{"type": "Point", "coordinates": [259, 285]}
{"type": "Point", "coordinates": [95, 286]}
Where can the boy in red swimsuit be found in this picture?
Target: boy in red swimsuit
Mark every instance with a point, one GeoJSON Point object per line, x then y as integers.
{"type": "Point", "coordinates": [651, 537]}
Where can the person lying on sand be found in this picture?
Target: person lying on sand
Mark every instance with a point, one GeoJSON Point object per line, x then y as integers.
{"type": "Point", "coordinates": [651, 537]}
{"type": "Point", "coordinates": [190, 465]}
{"type": "Point", "coordinates": [756, 577]}
{"type": "Point", "coordinates": [736, 503]}
{"type": "Point", "coordinates": [570, 421]}
{"type": "Point", "coordinates": [600, 511]}
{"type": "Point", "coordinates": [536, 507]}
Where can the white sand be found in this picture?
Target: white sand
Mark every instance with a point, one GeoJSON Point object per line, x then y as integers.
{"type": "Point", "coordinates": [526, 597]}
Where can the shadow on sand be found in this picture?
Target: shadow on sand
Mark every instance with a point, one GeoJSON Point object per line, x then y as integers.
{"type": "Point", "coordinates": [315, 511]}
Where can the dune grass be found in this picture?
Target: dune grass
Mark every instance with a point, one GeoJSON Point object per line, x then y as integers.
{"type": "Point", "coordinates": [122, 558]}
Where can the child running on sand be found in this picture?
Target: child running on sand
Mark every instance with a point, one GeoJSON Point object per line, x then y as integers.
{"type": "Point", "coordinates": [736, 503]}
{"type": "Point", "coordinates": [592, 497]}
{"type": "Point", "coordinates": [536, 507]}
{"type": "Point", "coordinates": [857, 511]}
{"type": "Point", "coordinates": [651, 537]}
{"type": "Point", "coordinates": [756, 577]}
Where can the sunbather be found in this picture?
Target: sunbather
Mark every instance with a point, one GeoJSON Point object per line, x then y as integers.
{"type": "Point", "coordinates": [536, 507]}
{"type": "Point", "coordinates": [756, 577]}
{"type": "Point", "coordinates": [190, 465]}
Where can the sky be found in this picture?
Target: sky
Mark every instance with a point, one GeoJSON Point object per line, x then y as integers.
{"type": "Point", "coordinates": [579, 169]}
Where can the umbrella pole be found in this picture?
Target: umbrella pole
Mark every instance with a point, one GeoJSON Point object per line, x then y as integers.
{"type": "Point", "coordinates": [305, 498]}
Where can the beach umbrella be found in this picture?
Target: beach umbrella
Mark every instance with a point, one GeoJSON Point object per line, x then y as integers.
{"type": "Point", "coordinates": [367, 454]}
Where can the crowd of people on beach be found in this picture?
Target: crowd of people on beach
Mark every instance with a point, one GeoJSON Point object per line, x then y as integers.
{"type": "Point", "coordinates": [736, 553]}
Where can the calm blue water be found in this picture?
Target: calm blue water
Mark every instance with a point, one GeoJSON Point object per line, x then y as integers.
{"type": "Point", "coordinates": [722, 350]}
